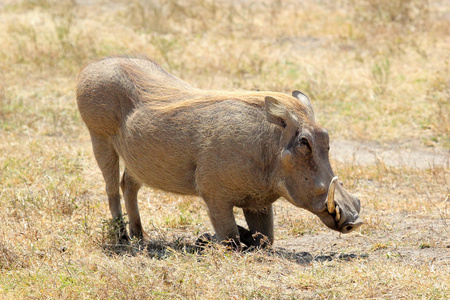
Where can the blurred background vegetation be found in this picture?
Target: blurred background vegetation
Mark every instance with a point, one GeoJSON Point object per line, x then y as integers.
{"type": "Point", "coordinates": [376, 70]}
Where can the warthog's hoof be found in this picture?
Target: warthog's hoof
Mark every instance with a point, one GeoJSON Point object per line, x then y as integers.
{"type": "Point", "coordinates": [253, 241]}
{"type": "Point", "coordinates": [142, 237]}
{"type": "Point", "coordinates": [205, 240]}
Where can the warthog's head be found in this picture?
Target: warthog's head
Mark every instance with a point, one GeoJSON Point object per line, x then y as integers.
{"type": "Point", "coordinates": [306, 178]}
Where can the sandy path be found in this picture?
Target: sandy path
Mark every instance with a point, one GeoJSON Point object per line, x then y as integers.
{"type": "Point", "coordinates": [369, 153]}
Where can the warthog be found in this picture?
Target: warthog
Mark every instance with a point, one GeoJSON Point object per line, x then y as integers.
{"type": "Point", "coordinates": [233, 149]}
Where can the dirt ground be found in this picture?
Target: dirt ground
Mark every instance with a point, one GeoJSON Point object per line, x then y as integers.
{"type": "Point", "coordinates": [414, 228]}
{"type": "Point", "coordinates": [392, 155]}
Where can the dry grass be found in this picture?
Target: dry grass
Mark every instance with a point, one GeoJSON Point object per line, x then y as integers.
{"type": "Point", "coordinates": [376, 71]}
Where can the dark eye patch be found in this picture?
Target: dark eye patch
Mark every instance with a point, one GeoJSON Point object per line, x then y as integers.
{"type": "Point", "coordinates": [305, 142]}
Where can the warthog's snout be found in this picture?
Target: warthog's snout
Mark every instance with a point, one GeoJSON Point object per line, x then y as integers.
{"type": "Point", "coordinates": [344, 209]}
{"type": "Point", "coordinates": [350, 226]}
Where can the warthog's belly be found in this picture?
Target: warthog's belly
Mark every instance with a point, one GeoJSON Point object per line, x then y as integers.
{"type": "Point", "coordinates": [158, 153]}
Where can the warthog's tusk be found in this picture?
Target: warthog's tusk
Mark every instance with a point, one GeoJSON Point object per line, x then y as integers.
{"type": "Point", "coordinates": [338, 214]}
{"type": "Point", "coordinates": [331, 205]}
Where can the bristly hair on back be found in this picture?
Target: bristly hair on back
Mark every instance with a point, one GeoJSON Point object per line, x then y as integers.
{"type": "Point", "coordinates": [167, 92]}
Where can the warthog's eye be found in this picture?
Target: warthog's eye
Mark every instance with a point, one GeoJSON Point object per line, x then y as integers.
{"type": "Point", "coordinates": [305, 143]}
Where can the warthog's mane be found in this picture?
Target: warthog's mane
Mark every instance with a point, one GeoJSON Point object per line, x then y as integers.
{"type": "Point", "coordinates": [167, 92]}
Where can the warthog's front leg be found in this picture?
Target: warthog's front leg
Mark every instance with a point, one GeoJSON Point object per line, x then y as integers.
{"type": "Point", "coordinates": [222, 219]}
{"type": "Point", "coordinates": [260, 224]}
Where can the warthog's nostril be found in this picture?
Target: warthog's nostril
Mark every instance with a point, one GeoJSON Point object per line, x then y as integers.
{"type": "Point", "coordinates": [350, 226]}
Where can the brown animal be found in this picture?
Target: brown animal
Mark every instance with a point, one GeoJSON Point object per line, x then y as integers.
{"type": "Point", "coordinates": [243, 149]}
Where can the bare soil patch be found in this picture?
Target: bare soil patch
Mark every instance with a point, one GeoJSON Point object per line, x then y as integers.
{"type": "Point", "coordinates": [391, 155]}
{"type": "Point", "coordinates": [410, 239]}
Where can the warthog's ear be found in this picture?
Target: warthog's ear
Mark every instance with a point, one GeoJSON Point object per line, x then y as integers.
{"type": "Point", "coordinates": [277, 113]}
{"type": "Point", "coordinates": [305, 100]}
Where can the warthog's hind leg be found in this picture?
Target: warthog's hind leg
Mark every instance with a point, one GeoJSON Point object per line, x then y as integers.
{"type": "Point", "coordinates": [108, 161]}
{"type": "Point", "coordinates": [130, 189]}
